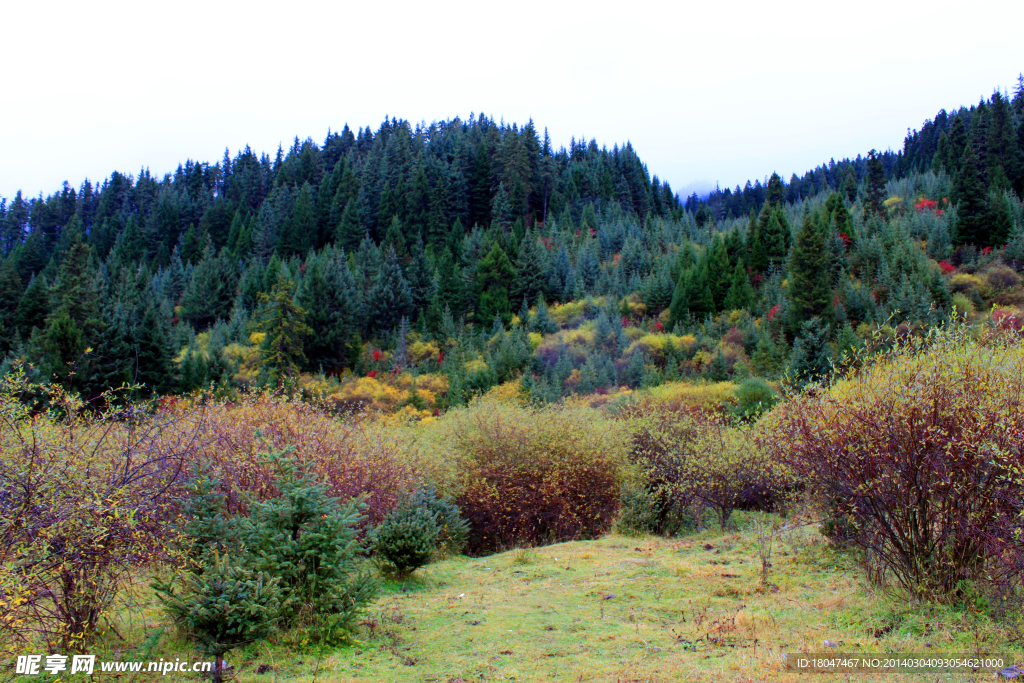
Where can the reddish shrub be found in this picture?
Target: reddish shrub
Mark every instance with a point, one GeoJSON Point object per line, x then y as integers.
{"type": "Point", "coordinates": [947, 267]}
{"type": "Point", "coordinates": [531, 477]}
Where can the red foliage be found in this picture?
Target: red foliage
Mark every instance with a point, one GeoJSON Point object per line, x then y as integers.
{"type": "Point", "coordinates": [377, 355]}
{"type": "Point", "coordinates": [926, 205]}
{"type": "Point", "coordinates": [773, 312]}
{"type": "Point", "coordinates": [845, 238]}
{"type": "Point", "coordinates": [946, 266]}
{"type": "Point", "coordinates": [593, 233]}
{"type": "Point", "coordinates": [986, 250]}
{"type": "Point", "coordinates": [371, 373]}
{"type": "Point", "coordinates": [1006, 319]}
{"type": "Point", "coordinates": [626, 322]}
{"type": "Point", "coordinates": [658, 327]}
{"type": "Point", "coordinates": [440, 357]}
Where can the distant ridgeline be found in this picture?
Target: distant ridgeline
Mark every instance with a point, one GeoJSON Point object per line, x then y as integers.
{"type": "Point", "coordinates": [437, 249]}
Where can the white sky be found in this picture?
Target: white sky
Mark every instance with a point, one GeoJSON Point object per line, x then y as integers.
{"type": "Point", "coordinates": [706, 92]}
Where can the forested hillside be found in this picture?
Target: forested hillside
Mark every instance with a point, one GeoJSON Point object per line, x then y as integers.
{"type": "Point", "coordinates": [414, 266]}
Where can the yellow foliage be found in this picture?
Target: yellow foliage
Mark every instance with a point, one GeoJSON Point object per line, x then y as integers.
{"type": "Point", "coordinates": [509, 391]}
{"type": "Point", "coordinates": [475, 365]}
{"type": "Point", "coordinates": [578, 337]}
{"type": "Point", "coordinates": [892, 201]}
{"type": "Point", "coordinates": [634, 333]}
{"type": "Point", "coordinates": [965, 282]}
{"type": "Point", "coordinates": [421, 351]}
{"type": "Point", "coordinates": [256, 338]}
{"type": "Point", "coordinates": [535, 339]}
{"type": "Point", "coordinates": [368, 391]}
{"type": "Point", "coordinates": [695, 395]}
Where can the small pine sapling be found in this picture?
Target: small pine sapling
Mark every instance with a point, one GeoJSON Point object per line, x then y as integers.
{"type": "Point", "coordinates": [224, 607]}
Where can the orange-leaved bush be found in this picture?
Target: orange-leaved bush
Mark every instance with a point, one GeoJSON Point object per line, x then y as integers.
{"type": "Point", "coordinates": [923, 452]}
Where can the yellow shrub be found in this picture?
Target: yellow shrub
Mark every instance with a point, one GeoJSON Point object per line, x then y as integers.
{"type": "Point", "coordinates": [509, 391]}
{"type": "Point", "coordinates": [653, 346]}
{"type": "Point", "coordinates": [421, 351]}
{"type": "Point", "coordinates": [535, 339]}
{"type": "Point", "coordinates": [475, 365]}
{"type": "Point", "coordinates": [695, 395]}
{"type": "Point", "coordinates": [963, 304]}
{"type": "Point", "coordinates": [965, 282]}
{"type": "Point", "coordinates": [634, 333]}
{"type": "Point", "coordinates": [578, 337]}
{"type": "Point", "coordinates": [256, 338]}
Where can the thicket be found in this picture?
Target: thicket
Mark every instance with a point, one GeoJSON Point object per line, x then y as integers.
{"type": "Point", "coordinates": [920, 454]}
{"type": "Point", "coordinates": [696, 460]}
{"type": "Point", "coordinates": [524, 476]}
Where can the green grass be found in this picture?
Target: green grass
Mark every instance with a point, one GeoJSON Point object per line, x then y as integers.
{"type": "Point", "coordinates": [615, 609]}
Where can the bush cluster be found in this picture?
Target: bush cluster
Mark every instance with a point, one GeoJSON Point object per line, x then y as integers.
{"type": "Point", "coordinates": [697, 460]}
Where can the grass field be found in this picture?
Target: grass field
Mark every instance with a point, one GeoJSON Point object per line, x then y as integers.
{"type": "Point", "coordinates": [614, 609]}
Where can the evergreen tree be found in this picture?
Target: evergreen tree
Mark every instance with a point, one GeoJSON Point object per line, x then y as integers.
{"type": "Point", "coordinates": [284, 324]}
{"type": "Point", "coordinates": [390, 298]}
{"type": "Point", "coordinates": [812, 355]}
{"type": "Point", "coordinates": [810, 281]}
{"type": "Point", "coordinates": [310, 541]}
{"type": "Point", "coordinates": [874, 187]}
{"type": "Point", "coordinates": [968, 193]}
{"type": "Point", "coordinates": [154, 354]}
{"type": "Point", "coordinates": [741, 293]}
{"type": "Point", "coordinates": [494, 275]}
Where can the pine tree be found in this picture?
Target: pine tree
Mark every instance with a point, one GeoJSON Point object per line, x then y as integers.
{"type": "Point", "coordinates": [810, 281]}
{"type": "Point", "coordinates": [154, 369]}
{"type": "Point", "coordinates": [310, 541]}
{"type": "Point", "coordinates": [327, 293]}
{"type": "Point", "coordinates": [874, 187]}
{"type": "Point", "coordinates": [390, 298]}
{"type": "Point", "coordinates": [812, 355]}
{"type": "Point", "coordinates": [284, 324]}
{"type": "Point", "coordinates": [494, 274]}
{"type": "Point", "coordinates": [741, 293]}
{"type": "Point", "coordinates": [224, 607]}
{"type": "Point", "coordinates": [968, 193]}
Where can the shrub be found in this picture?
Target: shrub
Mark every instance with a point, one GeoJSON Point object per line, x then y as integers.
{"type": "Point", "coordinates": [754, 397]}
{"type": "Point", "coordinates": [309, 540]}
{"type": "Point", "coordinates": [407, 538]}
{"type": "Point", "coordinates": [531, 476]}
{"type": "Point", "coordinates": [453, 530]}
{"type": "Point", "coordinates": [351, 455]}
{"type": "Point", "coordinates": [646, 511]}
{"type": "Point", "coordinates": [923, 451]}
{"type": "Point", "coordinates": [696, 460]}
{"type": "Point", "coordinates": [86, 499]}
{"type": "Point", "coordinates": [224, 606]}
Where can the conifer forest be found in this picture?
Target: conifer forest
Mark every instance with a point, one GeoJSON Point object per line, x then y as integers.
{"type": "Point", "coordinates": [475, 252]}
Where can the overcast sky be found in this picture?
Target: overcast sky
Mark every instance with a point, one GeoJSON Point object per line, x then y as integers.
{"type": "Point", "coordinates": [709, 92]}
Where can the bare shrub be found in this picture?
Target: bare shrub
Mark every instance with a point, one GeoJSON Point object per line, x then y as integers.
{"type": "Point", "coordinates": [85, 498]}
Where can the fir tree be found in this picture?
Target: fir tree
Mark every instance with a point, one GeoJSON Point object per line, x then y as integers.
{"type": "Point", "coordinates": [812, 355]}
{"type": "Point", "coordinates": [874, 186]}
{"type": "Point", "coordinates": [284, 324]}
{"type": "Point", "coordinates": [494, 274]}
{"type": "Point", "coordinates": [810, 282]}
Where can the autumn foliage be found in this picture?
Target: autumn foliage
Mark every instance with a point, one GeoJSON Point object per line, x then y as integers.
{"type": "Point", "coordinates": [923, 453]}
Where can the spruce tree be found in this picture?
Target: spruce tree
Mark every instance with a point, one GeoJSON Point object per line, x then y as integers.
{"type": "Point", "coordinates": [494, 275]}
{"type": "Point", "coordinates": [284, 324]}
{"type": "Point", "coordinates": [224, 607]}
{"type": "Point", "coordinates": [741, 293]}
{"type": "Point", "coordinates": [812, 354]}
{"type": "Point", "coordinates": [810, 281]}
{"type": "Point", "coordinates": [310, 541]}
{"type": "Point", "coordinates": [874, 186]}
{"type": "Point", "coordinates": [968, 193]}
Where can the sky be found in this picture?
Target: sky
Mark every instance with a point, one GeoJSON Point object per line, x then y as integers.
{"type": "Point", "coordinates": [706, 92]}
